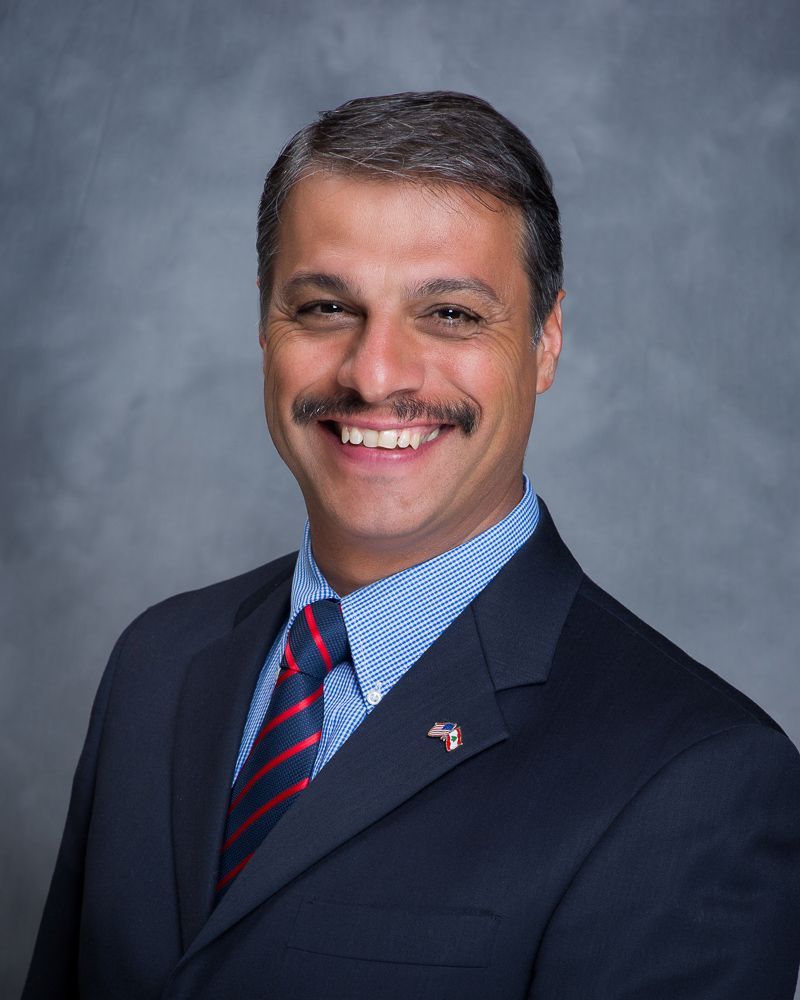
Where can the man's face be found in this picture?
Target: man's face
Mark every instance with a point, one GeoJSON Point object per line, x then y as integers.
{"type": "Point", "coordinates": [400, 315]}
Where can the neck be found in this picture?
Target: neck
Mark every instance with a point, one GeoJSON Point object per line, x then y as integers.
{"type": "Point", "coordinates": [349, 562]}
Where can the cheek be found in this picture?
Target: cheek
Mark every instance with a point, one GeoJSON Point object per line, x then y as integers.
{"type": "Point", "coordinates": [501, 381]}
{"type": "Point", "coordinates": [284, 366]}
{"type": "Point", "coordinates": [278, 390]}
{"type": "Point", "coordinates": [294, 365]}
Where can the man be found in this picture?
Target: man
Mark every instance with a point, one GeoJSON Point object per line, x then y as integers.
{"type": "Point", "coordinates": [425, 756]}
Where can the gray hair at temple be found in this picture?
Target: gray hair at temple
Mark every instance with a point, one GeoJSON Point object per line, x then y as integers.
{"type": "Point", "coordinates": [435, 137]}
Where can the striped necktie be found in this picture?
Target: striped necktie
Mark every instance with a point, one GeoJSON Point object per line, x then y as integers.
{"type": "Point", "coordinates": [281, 759]}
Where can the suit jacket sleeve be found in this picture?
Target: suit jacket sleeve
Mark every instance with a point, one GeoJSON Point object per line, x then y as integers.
{"type": "Point", "coordinates": [53, 972]}
{"type": "Point", "coordinates": [694, 889]}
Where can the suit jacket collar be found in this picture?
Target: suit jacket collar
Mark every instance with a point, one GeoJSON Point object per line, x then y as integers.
{"type": "Point", "coordinates": [506, 638]}
{"type": "Point", "coordinates": [212, 709]}
{"type": "Point", "coordinates": [520, 614]}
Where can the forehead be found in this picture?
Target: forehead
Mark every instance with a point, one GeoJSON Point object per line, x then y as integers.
{"type": "Point", "coordinates": [387, 230]}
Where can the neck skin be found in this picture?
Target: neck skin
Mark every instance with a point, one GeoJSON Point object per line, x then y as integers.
{"type": "Point", "coordinates": [349, 562]}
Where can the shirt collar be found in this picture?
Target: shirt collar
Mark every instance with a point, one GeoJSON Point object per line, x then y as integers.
{"type": "Point", "coordinates": [391, 622]}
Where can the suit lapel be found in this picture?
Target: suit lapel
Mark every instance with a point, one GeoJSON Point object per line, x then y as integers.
{"type": "Point", "coordinates": [388, 759]}
{"type": "Point", "coordinates": [211, 715]}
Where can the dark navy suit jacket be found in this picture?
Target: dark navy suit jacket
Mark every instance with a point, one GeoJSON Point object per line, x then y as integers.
{"type": "Point", "coordinates": [619, 823]}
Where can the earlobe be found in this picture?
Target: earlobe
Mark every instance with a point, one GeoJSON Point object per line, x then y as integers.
{"type": "Point", "coordinates": [546, 375]}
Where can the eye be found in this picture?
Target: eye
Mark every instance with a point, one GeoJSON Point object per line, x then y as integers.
{"type": "Point", "coordinates": [454, 317]}
{"type": "Point", "coordinates": [324, 308]}
{"type": "Point", "coordinates": [324, 314]}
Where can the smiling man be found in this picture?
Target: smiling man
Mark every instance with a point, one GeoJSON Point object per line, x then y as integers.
{"type": "Point", "coordinates": [424, 755]}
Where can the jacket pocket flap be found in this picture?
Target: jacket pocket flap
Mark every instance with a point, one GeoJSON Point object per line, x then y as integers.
{"type": "Point", "coordinates": [416, 936]}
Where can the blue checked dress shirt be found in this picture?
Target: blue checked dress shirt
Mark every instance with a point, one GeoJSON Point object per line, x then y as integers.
{"type": "Point", "coordinates": [390, 623]}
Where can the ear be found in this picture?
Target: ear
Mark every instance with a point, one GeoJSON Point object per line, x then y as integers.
{"type": "Point", "coordinates": [549, 347]}
{"type": "Point", "coordinates": [262, 340]}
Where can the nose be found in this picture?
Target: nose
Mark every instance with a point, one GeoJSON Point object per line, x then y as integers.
{"type": "Point", "coordinates": [383, 360]}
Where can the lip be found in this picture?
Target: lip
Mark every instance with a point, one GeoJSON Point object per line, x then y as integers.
{"type": "Point", "coordinates": [360, 455]}
{"type": "Point", "coordinates": [384, 425]}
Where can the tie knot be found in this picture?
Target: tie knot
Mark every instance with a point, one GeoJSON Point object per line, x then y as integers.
{"type": "Point", "coordinates": [317, 640]}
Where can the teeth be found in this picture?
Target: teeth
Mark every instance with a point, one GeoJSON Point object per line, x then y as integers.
{"type": "Point", "coordinates": [389, 439]}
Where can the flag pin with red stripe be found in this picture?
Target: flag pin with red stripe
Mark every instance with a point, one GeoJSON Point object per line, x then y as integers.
{"type": "Point", "coordinates": [448, 732]}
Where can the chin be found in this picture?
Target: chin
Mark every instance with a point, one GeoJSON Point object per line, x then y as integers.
{"type": "Point", "coordinates": [378, 524]}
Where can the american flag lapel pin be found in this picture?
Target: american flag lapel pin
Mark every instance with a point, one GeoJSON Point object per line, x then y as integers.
{"type": "Point", "coordinates": [448, 732]}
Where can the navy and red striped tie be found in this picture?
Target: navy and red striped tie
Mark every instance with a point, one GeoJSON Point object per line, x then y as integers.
{"type": "Point", "coordinates": [281, 759]}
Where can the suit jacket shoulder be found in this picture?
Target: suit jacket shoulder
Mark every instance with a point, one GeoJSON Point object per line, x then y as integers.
{"type": "Point", "coordinates": [194, 618]}
{"type": "Point", "coordinates": [721, 698]}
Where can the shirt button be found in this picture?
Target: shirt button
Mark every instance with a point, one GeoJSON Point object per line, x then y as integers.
{"type": "Point", "coordinates": [374, 696]}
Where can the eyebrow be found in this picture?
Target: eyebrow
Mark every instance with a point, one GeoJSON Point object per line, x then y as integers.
{"type": "Point", "coordinates": [327, 282]}
{"type": "Point", "coordinates": [445, 286]}
{"type": "Point", "coordinates": [337, 285]}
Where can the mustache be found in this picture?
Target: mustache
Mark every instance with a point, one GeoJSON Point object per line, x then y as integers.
{"type": "Point", "coordinates": [461, 413]}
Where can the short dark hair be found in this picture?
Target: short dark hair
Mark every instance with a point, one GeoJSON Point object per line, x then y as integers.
{"type": "Point", "coordinates": [440, 137]}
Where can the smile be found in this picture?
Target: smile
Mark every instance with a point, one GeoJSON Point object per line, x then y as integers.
{"type": "Point", "coordinates": [390, 438]}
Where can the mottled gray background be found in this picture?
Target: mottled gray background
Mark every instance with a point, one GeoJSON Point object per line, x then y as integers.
{"type": "Point", "coordinates": [135, 463]}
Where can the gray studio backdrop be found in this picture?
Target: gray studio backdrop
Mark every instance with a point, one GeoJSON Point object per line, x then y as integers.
{"type": "Point", "coordinates": [135, 462]}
